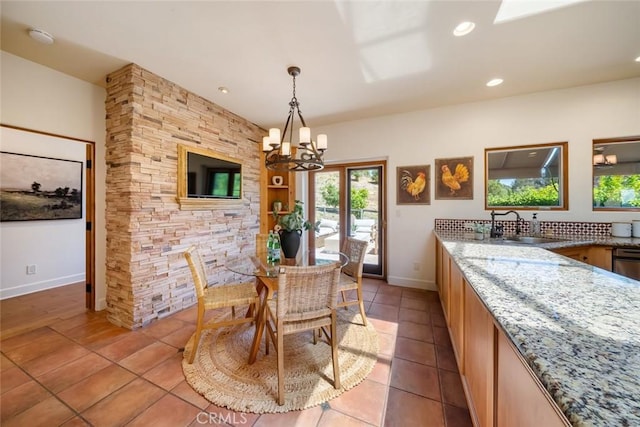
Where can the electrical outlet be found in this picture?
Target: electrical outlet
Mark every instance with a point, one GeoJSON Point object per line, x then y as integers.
{"type": "Point", "coordinates": [416, 266]}
{"type": "Point", "coordinates": [31, 269]}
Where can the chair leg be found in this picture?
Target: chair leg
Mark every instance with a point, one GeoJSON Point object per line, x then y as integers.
{"type": "Point", "coordinates": [280, 351]}
{"type": "Point", "coordinates": [334, 351]}
{"type": "Point", "coordinates": [196, 339]}
{"type": "Point", "coordinates": [344, 299]}
{"type": "Point", "coordinates": [361, 304]}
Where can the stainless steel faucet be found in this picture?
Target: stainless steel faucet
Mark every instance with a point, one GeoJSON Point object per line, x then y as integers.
{"type": "Point", "coordinates": [498, 233]}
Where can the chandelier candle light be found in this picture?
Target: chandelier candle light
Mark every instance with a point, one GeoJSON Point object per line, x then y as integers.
{"type": "Point", "coordinates": [278, 153]}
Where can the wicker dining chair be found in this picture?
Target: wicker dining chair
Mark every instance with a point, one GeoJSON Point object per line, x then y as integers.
{"type": "Point", "coordinates": [220, 296]}
{"type": "Point", "coordinates": [351, 276]}
{"type": "Point", "coordinates": [306, 300]}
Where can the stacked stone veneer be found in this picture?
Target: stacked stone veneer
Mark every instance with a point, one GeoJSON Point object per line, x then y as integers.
{"type": "Point", "coordinates": [147, 117]}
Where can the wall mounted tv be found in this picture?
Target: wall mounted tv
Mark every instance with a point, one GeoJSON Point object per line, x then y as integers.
{"type": "Point", "coordinates": [213, 177]}
{"type": "Point", "coordinates": [207, 178]}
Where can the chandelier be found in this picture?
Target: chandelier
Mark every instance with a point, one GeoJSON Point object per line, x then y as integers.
{"type": "Point", "coordinates": [279, 155]}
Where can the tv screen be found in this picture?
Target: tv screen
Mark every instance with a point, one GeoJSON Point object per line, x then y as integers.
{"type": "Point", "coordinates": [210, 177]}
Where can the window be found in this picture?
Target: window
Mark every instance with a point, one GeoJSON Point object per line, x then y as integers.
{"type": "Point", "coordinates": [616, 174]}
{"type": "Point", "coordinates": [527, 177]}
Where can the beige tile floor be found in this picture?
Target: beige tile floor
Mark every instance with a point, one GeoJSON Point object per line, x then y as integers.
{"type": "Point", "coordinates": [82, 370]}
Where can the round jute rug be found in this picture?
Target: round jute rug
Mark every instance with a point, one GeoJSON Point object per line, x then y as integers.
{"type": "Point", "coordinates": [221, 374]}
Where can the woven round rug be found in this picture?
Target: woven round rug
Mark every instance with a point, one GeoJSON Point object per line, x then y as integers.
{"type": "Point", "coordinates": [221, 374]}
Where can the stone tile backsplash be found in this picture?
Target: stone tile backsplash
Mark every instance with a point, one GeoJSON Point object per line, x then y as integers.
{"type": "Point", "coordinates": [556, 228]}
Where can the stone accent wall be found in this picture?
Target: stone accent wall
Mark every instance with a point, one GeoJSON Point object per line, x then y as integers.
{"type": "Point", "coordinates": [147, 117]}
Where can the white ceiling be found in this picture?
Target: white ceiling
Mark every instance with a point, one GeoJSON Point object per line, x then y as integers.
{"type": "Point", "coordinates": [358, 58]}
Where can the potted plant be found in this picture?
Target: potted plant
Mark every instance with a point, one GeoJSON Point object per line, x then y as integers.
{"type": "Point", "coordinates": [289, 226]}
{"type": "Point", "coordinates": [277, 206]}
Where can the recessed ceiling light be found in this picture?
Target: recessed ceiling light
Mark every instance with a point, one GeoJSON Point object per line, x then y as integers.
{"type": "Point", "coordinates": [494, 82]}
{"type": "Point", "coordinates": [41, 36]}
{"type": "Point", "coordinates": [223, 89]}
{"type": "Point", "coordinates": [638, 59]}
{"type": "Point", "coordinates": [464, 28]}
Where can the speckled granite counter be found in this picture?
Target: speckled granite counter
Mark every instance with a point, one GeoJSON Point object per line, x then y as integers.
{"type": "Point", "coordinates": [577, 326]}
{"type": "Point", "coordinates": [562, 241]}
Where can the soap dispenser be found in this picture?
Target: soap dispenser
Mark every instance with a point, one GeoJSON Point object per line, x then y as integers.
{"type": "Point", "coordinates": [534, 225]}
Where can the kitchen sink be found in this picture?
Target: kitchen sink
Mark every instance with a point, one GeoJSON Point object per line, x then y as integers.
{"type": "Point", "coordinates": [530, 240]}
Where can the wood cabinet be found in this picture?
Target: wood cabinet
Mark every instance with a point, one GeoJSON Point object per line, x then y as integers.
{"type": "Point", "coordinates": [601, 256]}
{"type": "Point", "coordinates": [520, 399]}
{"type": "Point", "coordinates": [500, 387]}
{"type": "Point", "coordinates": [456, 312]}
{"type": "Point", "coordinates": [477, 379]}
{"type": "Point", "coordinates": [444, 291]}
{"type": "Point", "coordinates": [579, 253]}
{"type": "Point", "coordinates": [270, 192]}
{"type": "Point", "coordinates": [598, 256]}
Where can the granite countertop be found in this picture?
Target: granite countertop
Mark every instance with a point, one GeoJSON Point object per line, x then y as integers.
{"type": "Point", "coordinates": [560, 241]}
{"type": "Point", "coordinates": [577, 326]}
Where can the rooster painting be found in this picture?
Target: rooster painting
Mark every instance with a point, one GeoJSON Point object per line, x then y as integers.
{"type": "Point", "coordinates": [453, 181]}
{"type": "Point", "coordinates": [455, 178]}
{"type": "Point", "coordinates": [413, 184]}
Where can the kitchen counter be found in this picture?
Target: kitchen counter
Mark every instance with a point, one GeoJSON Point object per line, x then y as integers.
{"type": "Point", "coordinates": [562, 241]}
{"type": "Point", "coordinates": [577, 326]}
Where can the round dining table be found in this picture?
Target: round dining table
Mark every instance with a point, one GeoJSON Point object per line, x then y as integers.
{"type": "Point", "coordinates": [266, 275]}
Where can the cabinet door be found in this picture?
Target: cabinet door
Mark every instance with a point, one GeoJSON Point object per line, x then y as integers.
{"type": "Point", "coordinates": [456, 312]}
{"type": "Point", "coordinates": [439, 265]}
{"type": "Point", "coordinates": [520, 399]}
{"type": "Point", "coordinates": [444, 291]}
{"type": "Point", "coordinates": [579, 253]}
{"type": "Point", "coordinates": [600, 256]}
{"type": "Point", "coordinates": [478, 358]}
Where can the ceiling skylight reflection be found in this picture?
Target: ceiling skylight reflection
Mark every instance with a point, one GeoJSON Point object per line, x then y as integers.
{"type": "Point", "coordinates": [390, 37]}
{"type": "Point", "coordinates": [517, 9]}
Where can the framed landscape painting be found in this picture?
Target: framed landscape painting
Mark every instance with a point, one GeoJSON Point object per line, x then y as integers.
{"type": "Point", "coordinates": [413, 185]}
{"type": "Point", "coordinates": [39, 188]}
{"type": "Point", "coordinates": [454, 178]}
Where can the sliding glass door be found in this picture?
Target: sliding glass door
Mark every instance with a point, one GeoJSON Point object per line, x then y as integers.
{"type": "Point", "coordinates": [348, 200]}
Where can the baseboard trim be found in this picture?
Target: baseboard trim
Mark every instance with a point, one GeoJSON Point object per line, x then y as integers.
{"type": "Point", "coordinates": [426, 285]}
{"type": "Point", "coordinates": [29, 288]}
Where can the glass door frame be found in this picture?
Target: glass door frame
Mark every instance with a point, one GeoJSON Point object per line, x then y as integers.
{"type": "Point", "coordinates": [344, 219]}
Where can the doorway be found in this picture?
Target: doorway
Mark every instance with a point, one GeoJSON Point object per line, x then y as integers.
{"type": "Point", "coordinates": [88, 207]}
{"type": "Point", "coordinates": [348, 199]}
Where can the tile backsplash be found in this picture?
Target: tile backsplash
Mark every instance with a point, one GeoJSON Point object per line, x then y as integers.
{"type": "Point", "coordinates": [556, 228]}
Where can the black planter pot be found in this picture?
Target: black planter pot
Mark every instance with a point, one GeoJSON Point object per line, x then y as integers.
{"type": "Point", "coordinates": [290, 242]}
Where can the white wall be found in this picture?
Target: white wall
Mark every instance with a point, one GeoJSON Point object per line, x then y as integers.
{"type": "Point", "coordinates": [39, 98]}
{"type": "Point", "coordinates": [576, 115]}
{"type": "Point", "coordinates": [42, 99]}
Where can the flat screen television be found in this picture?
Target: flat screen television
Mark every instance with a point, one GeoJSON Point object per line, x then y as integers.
{"type": "Point", "coordinates": [213, 177]}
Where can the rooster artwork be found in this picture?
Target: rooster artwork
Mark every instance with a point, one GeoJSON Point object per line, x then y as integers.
{"type": "Point", "coordinates": [454, 179]}
{"type": "Point", "coordinates": [414, 184]}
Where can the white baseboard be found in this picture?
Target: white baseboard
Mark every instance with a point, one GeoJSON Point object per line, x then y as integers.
{"type": "Point", "coordinates": [29, 288]}
{"type": "Point", "coordinates": [101, 304]}
{"type": "Point", "coordinates": [426, 285]}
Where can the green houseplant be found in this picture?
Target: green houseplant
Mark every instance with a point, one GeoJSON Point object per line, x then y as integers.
{"type": "Point", "coordinates": [290, 226]}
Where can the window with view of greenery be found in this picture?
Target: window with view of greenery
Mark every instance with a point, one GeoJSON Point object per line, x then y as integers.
{"type": "Point", "coordinates": [526, 177]}
{"type": "Point", "coordinates": [616, 174]}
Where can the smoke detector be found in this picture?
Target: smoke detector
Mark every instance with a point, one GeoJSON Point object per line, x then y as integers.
{"type": "Point", "coordinates": [41, 36]}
